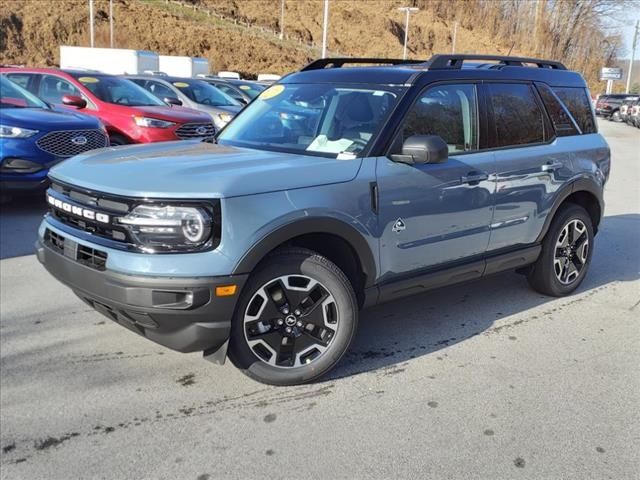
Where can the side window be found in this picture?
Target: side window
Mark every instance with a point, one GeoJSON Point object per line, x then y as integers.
{"type": "Point", "coordinates": [52, 89]}
{"type": "Point", "coordinates": [22, 79]}
{"type": "Point", "coordinates": [579, 105]}
{"type": "Point", "coordinates": [562, 120]}
{"type": "Point", "coordinates": [516, 114]}
{"type": "Point", "coordinates": [449, 111]}
{"type": "Point", "coordinates": [159, 90]}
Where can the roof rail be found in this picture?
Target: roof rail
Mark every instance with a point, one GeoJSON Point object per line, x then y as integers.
{"type": "Point", "coordinates": [339, 62]}
{"type": "Point", "coordinates": [454, 62]}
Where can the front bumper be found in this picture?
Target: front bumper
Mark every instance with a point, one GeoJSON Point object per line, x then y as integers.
{"type": "Point", "coordinates": [179, 313]}
{"type": "Point", "coordinates": [24, 186]}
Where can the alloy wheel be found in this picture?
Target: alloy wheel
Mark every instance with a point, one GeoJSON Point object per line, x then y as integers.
{"type": "Point", "coordinates": [571, 252]}
{"type": "Point", "coordinates": [290, 321]}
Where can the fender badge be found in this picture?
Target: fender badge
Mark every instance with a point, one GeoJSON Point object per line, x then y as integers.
{"type": "Point", "coordinates": [399, 226]}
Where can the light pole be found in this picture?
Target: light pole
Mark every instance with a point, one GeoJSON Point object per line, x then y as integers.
{"type": "Point", "coordinates": [111, 23]}
{"type": "Point", "coordinates": [281, 19]}
{"type": "Point", "coordinates": [407, 11]}
{"type": "Point", "coordinates": [633, 52]}
{"type": "Point", "coordinates": [325, 25]}
{"type": "Point", "coordinates": [91, 39]}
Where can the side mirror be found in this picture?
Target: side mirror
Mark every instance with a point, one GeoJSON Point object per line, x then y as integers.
{"type": "Point", "coordinates": [172, 101]}
{"type": "Point", "coordinates": [74, 101]}
{"type": "Point", "coordinates": [418, 149]}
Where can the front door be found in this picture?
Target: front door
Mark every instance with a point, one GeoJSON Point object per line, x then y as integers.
{"type": "Point", "coordinates": [437, 214]}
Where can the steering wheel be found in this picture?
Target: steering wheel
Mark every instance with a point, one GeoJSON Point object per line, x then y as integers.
{"type": "Point", "coordinates": [121, 100]}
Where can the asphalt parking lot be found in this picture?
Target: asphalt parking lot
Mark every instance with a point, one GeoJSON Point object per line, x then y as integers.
{"type": "Point", "coordinates": [485, 380]}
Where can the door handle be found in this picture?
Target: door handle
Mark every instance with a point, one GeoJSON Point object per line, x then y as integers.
{"type": "Point", "coordinates": [551, 166]}
{"type": "Point", "coordinates": [473, 178]}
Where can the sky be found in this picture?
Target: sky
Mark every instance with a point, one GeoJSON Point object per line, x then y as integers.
{"type": "Point", "coordinates": [627, 32]}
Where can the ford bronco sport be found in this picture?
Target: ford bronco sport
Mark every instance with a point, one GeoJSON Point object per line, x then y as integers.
{"type": "Point", "coordinates": [336, 189]}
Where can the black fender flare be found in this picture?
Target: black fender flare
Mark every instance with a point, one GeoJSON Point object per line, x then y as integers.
{"type": "Point", "coordinates": [583, 184]}
{"type": "Point", "coordinates": [305, 226]}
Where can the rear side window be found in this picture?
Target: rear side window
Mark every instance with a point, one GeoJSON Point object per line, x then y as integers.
{"type": "Point", "coordinates": [22, 79]}
{"type": "Point", "coordinates": [517, 117]}
{"type": "Point", "coordinates": [561, 119]}
{"type": "Point", "coordinates": [577, 102]}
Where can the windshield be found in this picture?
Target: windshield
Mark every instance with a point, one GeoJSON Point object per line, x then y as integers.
{"type": "Point", "coordinates": [325, 120]}
{"type": "Point", "coordinates": [14, 96]}
{"type": "Point", "coordinates": [251, 89]}
{"type": "Point", "coordinates": [200, 91]}
{"type": "Point", "coordinates": [118, 90]}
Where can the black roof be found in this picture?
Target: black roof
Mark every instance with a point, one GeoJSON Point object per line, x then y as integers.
{"type": "Point", "coordinates": [439, 67]}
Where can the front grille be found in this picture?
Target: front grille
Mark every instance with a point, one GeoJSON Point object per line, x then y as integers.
{"type": "Point", "coordinates": [88, 256]}
{"type": "Point", "coordinates": [196, 130]}
{"type": "Point", "coordinates": [66, 143]}
{"type": "Point", "coordinates": [99, 203]}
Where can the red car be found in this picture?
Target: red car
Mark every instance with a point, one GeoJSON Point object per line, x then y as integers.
{"type": "Point", "coordinates": [128, 111]}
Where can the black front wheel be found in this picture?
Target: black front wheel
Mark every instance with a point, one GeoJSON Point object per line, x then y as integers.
{"type": "Point", "coordinates": [295, 319]}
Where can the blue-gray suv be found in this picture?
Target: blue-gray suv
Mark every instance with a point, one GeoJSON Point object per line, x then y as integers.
{"type": "Point", "coordinates": [338, 188]}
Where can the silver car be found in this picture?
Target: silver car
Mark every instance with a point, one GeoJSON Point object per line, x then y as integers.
{"type": "Point", "coordinates": [192, 93]}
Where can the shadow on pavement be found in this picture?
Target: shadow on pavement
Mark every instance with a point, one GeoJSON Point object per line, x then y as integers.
{"type": "Point", "coordinates": [19, 220]}
{"type": "Point", "coordinates": [393, 333]}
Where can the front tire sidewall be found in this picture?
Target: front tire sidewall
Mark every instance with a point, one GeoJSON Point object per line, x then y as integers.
{"type": "Point", "coordinates": [320, 269]}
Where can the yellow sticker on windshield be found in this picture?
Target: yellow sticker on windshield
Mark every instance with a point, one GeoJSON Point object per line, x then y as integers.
{"type": "Point", "coordinates": [245, 87]}
{"type": "Point", "coordinates": [271, 92]}
{"type": "Point", "coordinates": [88, 80]}
{"type": "Point", "coordinates": [181, 84]}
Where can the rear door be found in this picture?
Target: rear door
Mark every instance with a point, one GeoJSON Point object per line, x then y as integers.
{"type": "Point", "coordinates": [530, 167]}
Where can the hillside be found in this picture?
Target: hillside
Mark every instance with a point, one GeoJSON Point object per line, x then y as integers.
{"type": "Point", "coordinates": [240, 34]}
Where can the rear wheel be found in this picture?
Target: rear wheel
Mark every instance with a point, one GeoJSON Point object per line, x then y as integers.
{"type": "Point", "coordinates": [566, 253]}
{"type": "Point", "coordinates": [295, 319]}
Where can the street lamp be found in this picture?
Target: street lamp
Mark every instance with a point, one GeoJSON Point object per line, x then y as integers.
{"type": "Point", "coordinates": [91, 35]}
{"type": "Point", "coordinates": [325, 27]}
{"type": "Point", "coordinates": [408, 11]}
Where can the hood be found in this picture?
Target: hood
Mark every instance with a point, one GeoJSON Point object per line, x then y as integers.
{"type": "Point", "coordinates": [47, 120]}
{"type": "Point", "coordinates": [210, 109]}
{"type": "Point", "coordinates": [233, 109]}
{"type": "Point", "coordinates": [176, 113]}
{"type": "Point", "coordinates": [193, 169]}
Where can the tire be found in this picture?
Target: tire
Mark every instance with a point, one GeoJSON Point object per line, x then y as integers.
{"type": "Point", "coordinates": [615, 116]}
{"type": "Point", "coordinates": [284, 329]}
{"type": "Point", "coordinates": [573, 262]}
{"type": "Point", "coordinates": [115, 140]}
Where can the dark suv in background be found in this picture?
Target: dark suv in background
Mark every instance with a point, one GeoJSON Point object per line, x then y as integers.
{"type": "Point", "coordinates": [334, 190]}
{"type": "Point", "coordinates": [608, 106]}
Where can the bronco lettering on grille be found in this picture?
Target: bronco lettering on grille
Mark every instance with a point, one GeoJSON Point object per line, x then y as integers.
{"type": "Point", "coordinates": [78, 211]}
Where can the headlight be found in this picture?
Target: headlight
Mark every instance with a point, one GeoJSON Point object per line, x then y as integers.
{"type": "Point", "coordinates": [7, 131]}
{"type": "Point", "coordinates": [221, 119]}
{"type": "Point", "coordinates": [168, 227]}
{"type": "Point", "coordinates": [152, 122]}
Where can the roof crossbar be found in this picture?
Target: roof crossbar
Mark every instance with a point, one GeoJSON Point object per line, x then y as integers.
{"type": "Point", "coordinates": [340, 62]}
{"type": "Point", "coordinates": [454, 62]}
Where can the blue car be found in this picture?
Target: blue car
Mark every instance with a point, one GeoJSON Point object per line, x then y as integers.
{"type": "Point", "coordinates": [35, 136]}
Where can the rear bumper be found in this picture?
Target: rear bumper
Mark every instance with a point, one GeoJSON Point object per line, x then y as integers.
{"type": "Point", "coordinates": [182, 314]}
